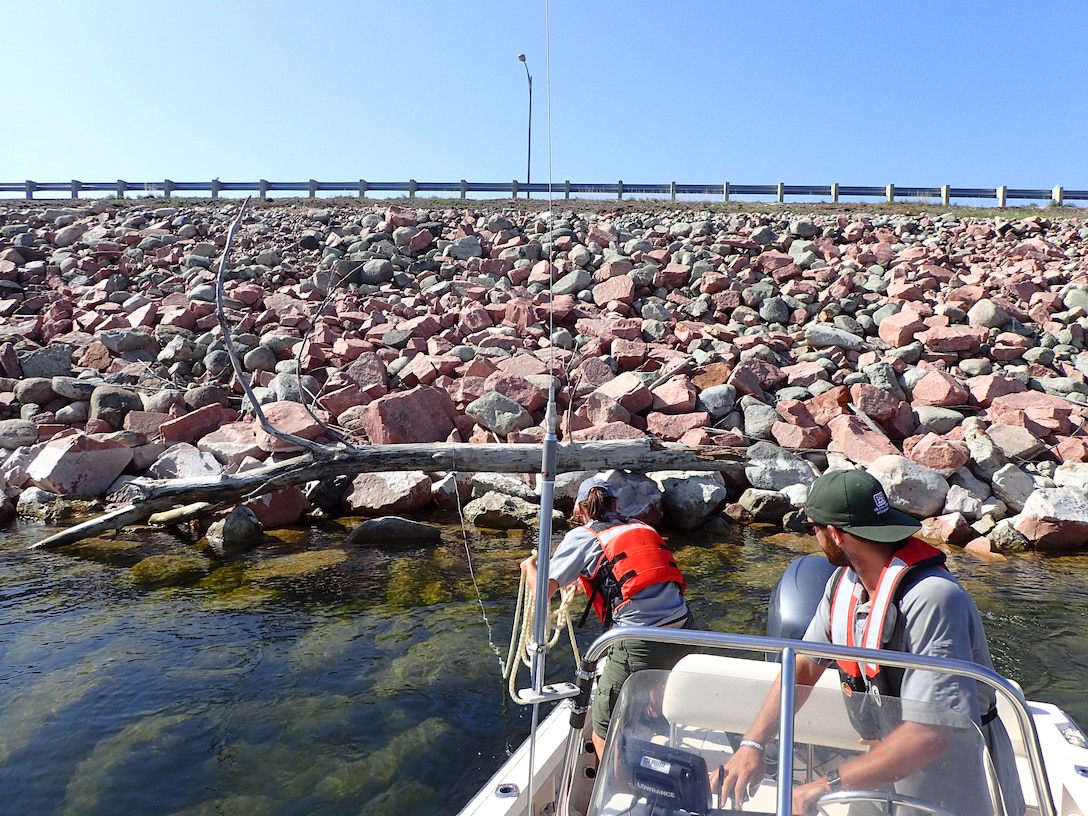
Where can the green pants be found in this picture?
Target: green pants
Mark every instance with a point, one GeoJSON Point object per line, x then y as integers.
{"type": "Point", "coordinates": [624, 659]}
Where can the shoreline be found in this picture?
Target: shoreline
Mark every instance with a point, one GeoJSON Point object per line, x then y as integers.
{"type": "Point", "coordinates": [944, 352]}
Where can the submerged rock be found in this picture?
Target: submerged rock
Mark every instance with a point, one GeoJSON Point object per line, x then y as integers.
{"type": "Point", "coordinates": [391, 530]}
{"type": "Point", "coordinates": [170, 570]}
{"type": "Point", "coordinates": [239, 530]}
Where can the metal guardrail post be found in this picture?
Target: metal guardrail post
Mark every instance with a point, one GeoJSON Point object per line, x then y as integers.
{"type": "Point", "coordinates": [216, 187]}
{"type": "Point", "coordinates": [781, 193]}
{"type": "Point", "coordinates": [75, 188]}
{"type": "Point", "coordinates": [464, 189]}
{"type": "Point", "coordinates": [566, 189]}
{"type": "Point", "coordinates": [725, 191]}
{"type": "Point", "coordinates": [412, 187]}
{"type": "Point", "coordinates": [263, 190]}
{"type": "Point", "coordinates": [619, 189]}
{"type": "Point", "coordinates": [30, 188]}
{"type": "Point", "coordinates": [362, 188]}
{"type": "Point", "coordinates": [672, 191]}
{"type": "Point", "coordinates": [122, 188]}
{"type": "Point", "coordinates": [313, 189]}
{"type": "Point", "coordinates": [1058, 195]}
{"type": "Point", "coordinates": [890, 190]}
{"type": "Point", "coordinates": [1002, 194]}
{"type": "Point", "coordinates": [514, 189]}
{"type": "Point", "coordinates": [168, 188]}
{"type": "Point", "coordinates": [835, 193]}
{"type": "Point", "coordinates": [946, 194]}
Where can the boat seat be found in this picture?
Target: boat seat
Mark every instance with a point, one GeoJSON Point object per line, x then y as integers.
{"type": "Point", "coordinates": [723, 694]}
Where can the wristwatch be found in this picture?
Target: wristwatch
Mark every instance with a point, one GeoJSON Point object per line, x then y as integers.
{"type": "Point", "coordinates": [834, 781]}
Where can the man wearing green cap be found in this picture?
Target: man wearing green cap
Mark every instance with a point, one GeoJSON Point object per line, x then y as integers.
{"type": "Point", "coordinates": [892, 591]}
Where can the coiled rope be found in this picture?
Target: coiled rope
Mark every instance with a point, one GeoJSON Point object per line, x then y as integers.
{"type": "Point", "coordinates": [521, 632]}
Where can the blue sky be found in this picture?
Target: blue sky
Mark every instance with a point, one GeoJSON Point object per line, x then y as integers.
{"type": "Point", "coordinates": [960, 92]}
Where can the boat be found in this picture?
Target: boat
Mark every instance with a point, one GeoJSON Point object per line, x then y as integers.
{"type": "Point", "coordinates": [671, 730]}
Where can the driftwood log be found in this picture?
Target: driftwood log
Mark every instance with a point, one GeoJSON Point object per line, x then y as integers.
{"type": "Point", "coordinates": [177, 500]}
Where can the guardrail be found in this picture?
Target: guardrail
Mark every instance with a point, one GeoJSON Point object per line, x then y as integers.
{"type": "Point", "coordinates": [722, 192]}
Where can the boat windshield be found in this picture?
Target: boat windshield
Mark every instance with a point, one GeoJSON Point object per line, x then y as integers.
{"type": "Point", "coordinates": [672, 731]}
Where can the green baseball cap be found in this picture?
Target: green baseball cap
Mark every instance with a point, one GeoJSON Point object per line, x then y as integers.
{"type": "Point", "coordinates": [855, 502]}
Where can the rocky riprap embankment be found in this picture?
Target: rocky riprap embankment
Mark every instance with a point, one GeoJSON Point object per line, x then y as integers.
{"type": "Point", "coordinates": [945, 354]}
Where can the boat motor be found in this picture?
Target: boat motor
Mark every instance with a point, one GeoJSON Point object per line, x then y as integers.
{"type": "Point", "coordinates": [796, 595]}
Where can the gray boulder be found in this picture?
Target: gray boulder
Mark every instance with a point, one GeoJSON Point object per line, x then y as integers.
{"type": "Point", "coordinates": [718, 400]}
{"type": "Point", "coordinates": [1013, 486]}
{"type": "Point", "coordinates": [773, 468]}
{"type": "Point", "coordinates": [498, 511]}
{"type": "Point", "coordinates": [499, 413]}
{"type": "Point", "coordinates": [1055, 519]}
{"type": "Point", "coordinates": [689, 498]}
{"type": "Point", "coordinates": [403, 532]}
{"type": "Point", "coordinates": [111, 403]}
{"type": "Point", "coordinates": [913, 488]}
{"type": "Point", "coordinates": [15, 433]}
{"type": "Point", "coordinates": [764, 506]}
{"type": "Point", "coordinates": [52, 361]}
{"type": "Point", "coordinates": [759, 417]}
{"type": "Point", "coordinates": [238, 531]}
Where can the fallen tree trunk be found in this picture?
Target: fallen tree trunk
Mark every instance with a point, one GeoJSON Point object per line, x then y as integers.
{"type": "Point", "coordinates": [201, 496]}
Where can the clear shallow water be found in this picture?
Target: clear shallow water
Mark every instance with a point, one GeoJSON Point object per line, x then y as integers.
{"type": "Point", "coordinates": [369, 686]}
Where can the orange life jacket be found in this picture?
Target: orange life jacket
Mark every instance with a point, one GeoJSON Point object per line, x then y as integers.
{"type": "Point", "coordinates": [873, 679]}
{"type": "Point", "coordinates": [846, 594]}
{"type": "Point", "coordinates": [633, 557]}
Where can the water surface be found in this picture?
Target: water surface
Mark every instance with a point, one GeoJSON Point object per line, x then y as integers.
{"type": "Point", "coordinates": [369, 685]}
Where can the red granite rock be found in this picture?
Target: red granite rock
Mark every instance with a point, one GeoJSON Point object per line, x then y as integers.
{"type": "Point", "coordinates": [876, 403]}
{"type": "Point", "coordinates": [936, 453]}
{"type": "Point", "coordinates": [423, 414]}
{"type": "Point", "coordinates": [754, 376]}
{"type": "Point", "coordinates": [900, 329]}
{"type": "Point", "coordinates": [629, 391]}
{"type": "Point", "coordinates": [146, 422]}
{"type": "Point", "coordinates": [620, 289]}
{"type": "Point", "coordinates": [804, 374]}
{"type": "Point", "coordinates": [529, 396]}
{"type": "Point", "coordinates": [985, 388]}
{"type": "Point", "coordinates": [939, 388]}
{"type": "Point", "coordinates": [830, 404]}
{"type": "Point", "coordinates": [195, 424]}
{"type": "Point", "coordinates": [954, 338]}
{"type": "Point", "coordinates": [671, 427]}
{"type": "Point", "coordinates": [804, 437]}
{"type": "Point", "coordinates": [603, 433]}
{"type": "Point", "coordinates": [77, 465]}
{"type": "Point", "coordinates": [600, 409]}
{"type": "Point", "coordinates": [280, 508]}
{"type": "Point", "coordinates": [419, 371]}
{"type": "Point", "coordinates": [1040, 413]}
{"type": "Point", "coordinates": [857, 442]}
{"type": "Point", "coordinates": [1071, 449]}
{"type": "Point", "coordinates": [232, 443]}
{"type": "Point", "coordinates": [674, 396]}
{"type": "Point", "coordinates": [393, 492]}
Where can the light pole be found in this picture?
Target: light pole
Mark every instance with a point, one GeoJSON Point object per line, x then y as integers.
{"type": "Point", "coordinates": [529, 148]}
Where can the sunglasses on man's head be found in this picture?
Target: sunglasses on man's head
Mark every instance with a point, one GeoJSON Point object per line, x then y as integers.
{"type": "Point", "coordinates": [811, 527]}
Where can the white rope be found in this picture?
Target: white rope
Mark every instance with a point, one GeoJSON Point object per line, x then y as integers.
{"type": "Point", "coordinates": [472, 572]}
{"type": "Point", "coordinates": [521, 632]}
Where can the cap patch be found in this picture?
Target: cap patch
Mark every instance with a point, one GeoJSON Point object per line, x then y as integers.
{"type": "Point", "coordinates": [880, 503]}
